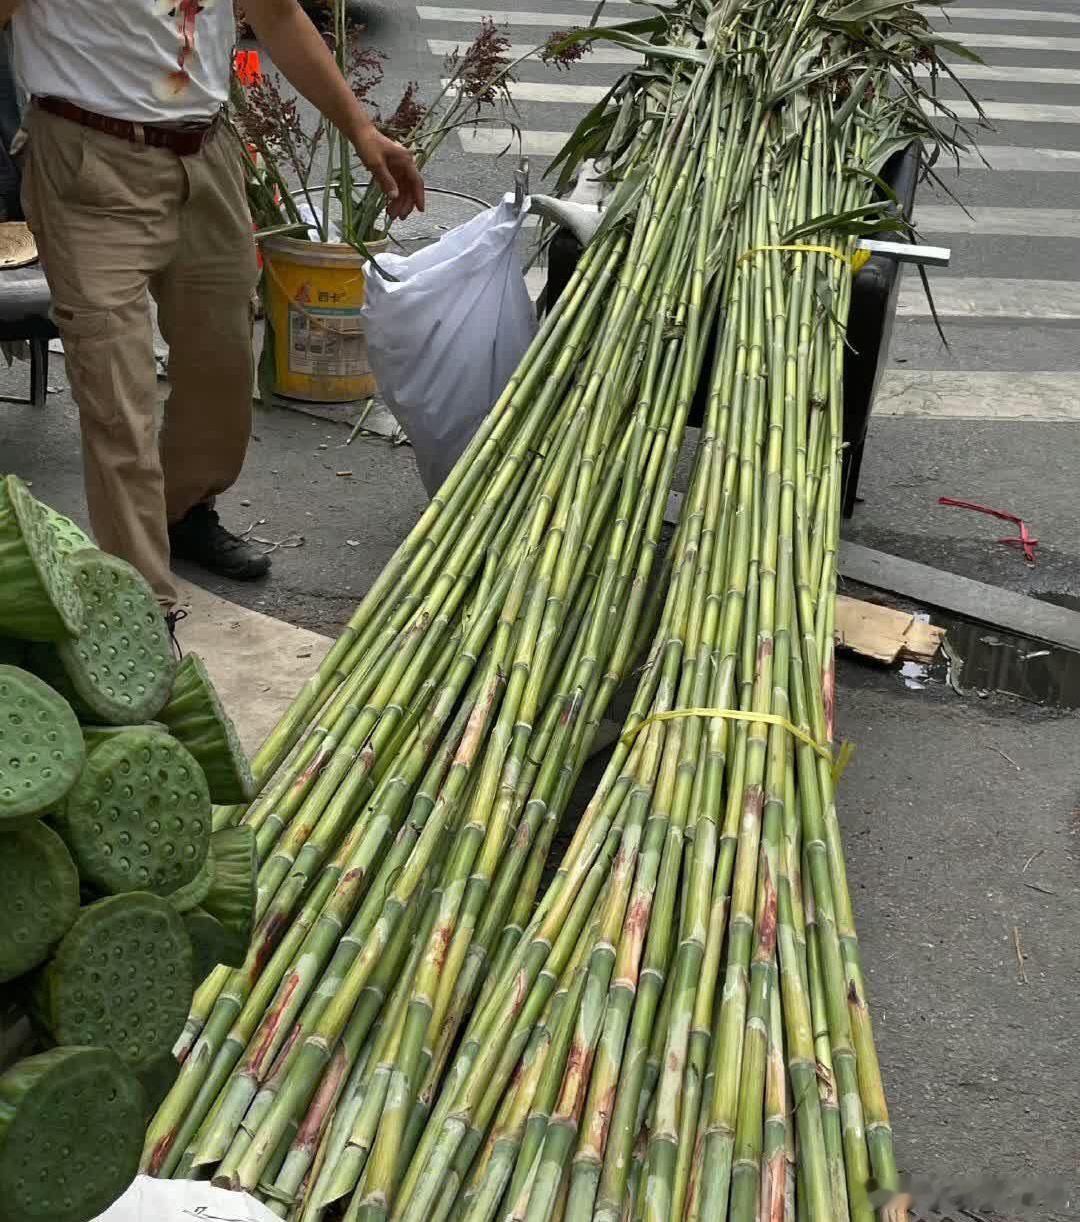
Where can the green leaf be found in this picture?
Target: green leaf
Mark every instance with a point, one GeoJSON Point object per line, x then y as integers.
{"type": "Point", "coordinates": [949, 44]}
{"type": "Point", "coordinates": [836, 221]}
{"type": "Point", "coordinates": [865, 10]}
{"type": "Point", "coordinates": [852, 100]}
{"type": "Point", "coordinates": [799, 84]}
{"type": "Point", "coordinates": [596, 115]}
{"type": "Point", "coordinates": [624, 200]}
{"type": "Point", "coordinates": [624, 38]}
{"type": "Point", "coordinates": [363, 249]}
{"type": "Point", "coordinates": [580, 148]}
{"type": "Point", "coordinates": [930, 302]}
{"type": "Point", "coordinates": [884, 149]}
{"type": "Point", "coordinates": [878, 182]}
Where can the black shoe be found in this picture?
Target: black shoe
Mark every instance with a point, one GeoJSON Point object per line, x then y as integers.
{"type": "Point", "coordinates": [200, 538]}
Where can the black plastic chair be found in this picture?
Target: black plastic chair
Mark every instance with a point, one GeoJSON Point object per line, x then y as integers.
{"type": "Point", "coordinates": [24, 293]}
{"type": "Point", "coordinates": [870, 326]}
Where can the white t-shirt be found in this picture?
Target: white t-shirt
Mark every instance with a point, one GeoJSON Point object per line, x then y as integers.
{"type": "Point", "coordinates": [148, 61]}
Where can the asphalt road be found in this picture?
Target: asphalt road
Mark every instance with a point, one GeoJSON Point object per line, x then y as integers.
{"type": "Point", "coordinates": [959, 812]}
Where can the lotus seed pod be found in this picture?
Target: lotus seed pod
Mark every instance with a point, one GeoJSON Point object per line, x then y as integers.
{"type": "Point", "coordinates": [196, 716]}
{"type": "Point", "coordinates": [41, 745]}
{"type": "Point", "coordinates": [71, 1124]}
{"type": "Point", "coordinates": [120, 669]}
{"type": "Point", "coordinates": [138, 818]}
{"type": "Point", "coordinates": [39, 895]}
{"type": "Point", "coordinates": [120, 979]}
{"type": "Point", "coordinates": [39, 597]}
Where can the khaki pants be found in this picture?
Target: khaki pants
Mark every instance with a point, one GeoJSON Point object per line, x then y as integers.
{"type": "Point", "coordinates": [113, 220]}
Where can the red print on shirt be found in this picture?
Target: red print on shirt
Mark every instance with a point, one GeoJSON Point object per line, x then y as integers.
{"type": "Point", "coordinates": [185, 13]}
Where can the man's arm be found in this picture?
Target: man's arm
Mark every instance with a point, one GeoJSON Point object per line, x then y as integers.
{"type": "Point", "coordinates": [299, 52]}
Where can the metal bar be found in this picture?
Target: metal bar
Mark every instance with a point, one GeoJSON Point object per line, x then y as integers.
{"type": "Point", "coordinates": [905, 252]}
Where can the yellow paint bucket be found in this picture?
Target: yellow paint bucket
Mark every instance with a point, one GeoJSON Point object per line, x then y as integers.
{"type": "Point", "coordinates": [316, 291]}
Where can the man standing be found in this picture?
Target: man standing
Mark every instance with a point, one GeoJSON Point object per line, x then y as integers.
{"type": "Point", "coordinates": [131, 183]}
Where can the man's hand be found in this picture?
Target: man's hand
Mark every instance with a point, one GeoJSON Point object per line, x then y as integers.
{"type": "Point", "coordinates": [392, 167]}
{"type": "Point", "coordinates": [299, 52]}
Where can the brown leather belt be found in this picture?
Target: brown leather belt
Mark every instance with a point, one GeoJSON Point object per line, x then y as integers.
{"type": "Point", "coordinates": [184, 141]}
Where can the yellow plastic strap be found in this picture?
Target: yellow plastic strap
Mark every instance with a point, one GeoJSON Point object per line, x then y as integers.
{"type": "Point", "coordinates": [843, 757]}
{"type": "Point", "coordinates": [856, 261]}
{"type": "Point", "coordinates": [769, 719]}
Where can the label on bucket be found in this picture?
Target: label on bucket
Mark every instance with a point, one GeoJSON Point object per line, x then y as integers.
{"type": "Point", "coordinates": [326, 343]}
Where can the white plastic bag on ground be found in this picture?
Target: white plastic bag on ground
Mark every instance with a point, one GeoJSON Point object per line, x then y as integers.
{"type": "Point", "coordinates": [150, 1200]}
{"type": "Point", "coordinates": [444, 338]}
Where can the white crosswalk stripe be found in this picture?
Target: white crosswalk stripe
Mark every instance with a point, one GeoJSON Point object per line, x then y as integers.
{"type": "Point", "coordinates": [990, 40]}
{"type": "Point", "coordinates": [992, 297]}
{"type": "Point", "coordinates": [554, 91]}
{"type": "Point", "coordinates": [999, 222]}
{"type": "Point", "coordinates": [1012, 159]}
{"type": "Point", "coordinates": [518, 50]}
{"type": "Point", "coordinates": [491, 141]}
{"type": "Point", "coordinates": [561, 21]}
{"type": "Point", "coordinates": [1003, 112]}
{"type": "Point", "coordinates": [961, 297]}
{"type": "Point", "coordinates": [1023, 74]}
{"type": "Point", "coordinates": [1015, 112]}
{"type": "Point", "coordinates": [509, 17]}
{"type": "Point", "coordinates": [984, 13]}
{"type": "Point", "coordinates": [952, 394]}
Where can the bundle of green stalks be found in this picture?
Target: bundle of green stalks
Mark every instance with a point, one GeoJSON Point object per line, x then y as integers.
{"type": "Point", "coordinates": [682, 1030]}
{"type": "Point", "coordinates": [677, 1027]}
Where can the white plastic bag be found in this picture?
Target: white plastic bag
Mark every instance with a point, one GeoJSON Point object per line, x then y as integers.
{"type": "Point", "coordinates": [150, 1200]}
{"type": "Point", "coordinates": [444, 338]}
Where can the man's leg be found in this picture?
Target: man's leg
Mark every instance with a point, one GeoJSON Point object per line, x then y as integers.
{"type": "Point", "coordinates": [104, 213]}
{"type": "Point", "coordinates": [204, 310]}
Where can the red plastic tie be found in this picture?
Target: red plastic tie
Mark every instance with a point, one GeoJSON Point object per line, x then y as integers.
{"type": "Point", "coordinates": [1023, 540]}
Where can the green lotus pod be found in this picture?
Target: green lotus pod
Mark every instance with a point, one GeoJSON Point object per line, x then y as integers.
{"type": "Point", "coordinates": [120, 669]}
{"type": "Point", "coordinates": [39, 598]}
{"type": "Point", "coordinates": [71, 1127]}
{"type": "Point", "coordinates": [94, 736]}
{"type": "Point", "coordinates": [138, 818]}
{"type": "Point", "coordinates": [39, 895]}
{"type": "Point", "coordinates": [212, 943]}
{"type": "Point", "coordinates": [68, 537]}
{"type": "Point", "coordinates": [231, 898]}
{"type": "Point", "coordinates": [196, 716]}
{"type": "Point", "coordinates": [121, 978]}
{"type": "Point", "coordinates": [41, 746]}
{"type": "Point", "coordinates": [192, 894]}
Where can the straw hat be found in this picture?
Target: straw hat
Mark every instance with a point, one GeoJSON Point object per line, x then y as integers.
{"type": "Point", "coordinates": [17, 245]}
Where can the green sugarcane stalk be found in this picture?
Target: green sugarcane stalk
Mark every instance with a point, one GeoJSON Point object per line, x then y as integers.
{"type": "Point", "coordinates": [501, 770]}
{"type": "Point", "coordinates": [368, 843]}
